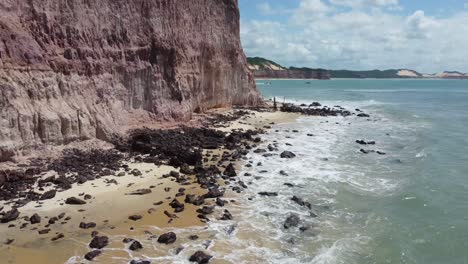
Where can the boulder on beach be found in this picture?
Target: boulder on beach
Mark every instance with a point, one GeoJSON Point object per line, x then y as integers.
{"type": "Point", "coordinates": [99, 242]}
{"type": "Point", "coordinates": [92, 255]}
{"type": "Point", "coordinates": [287, 155]}
{"type": "Point", "coordinates": [292, 221]}
{"type": "Point", "coordinates": [74, 201]}
{"type": "Point", "coordinates": [167, 238]}
{"type": "Point", "coordinates": [200, 257]}
{"type": "Point", "coordinates": [10, 216]}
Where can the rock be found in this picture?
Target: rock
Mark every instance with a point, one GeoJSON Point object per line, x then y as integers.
{"type": "Point", "coordinates": [315, 104]}
{"type": "Point", "coordinates": [206, 210]}
{"type": "Point", "coordinates": [230, 170]}
{"type": "Point", "coordinates": [213, 193]}
{"type": "Point", "coordinates": [10, 216]}
{"type": "Point", "coordinates": [74, 201]}
{"type": "Point", "coordinates": [57, 237]}
{"type": "Point", "coordinates": [381, 153]}
{"type": "Point", "coordinates": [301, 202]}
{"type": "Point", "coordinates": [361, 142]}
{"type": "Point", "coordinates": [48, 195]}
{"type": "Point", "coordinates": [193, 237]}
{"type": "Point", "coordinates": [87, 197]}
{"type": "Point", "coordinates": [140, 192]}
{"type": "Point", "coordinates": [52, 220]}
{"type": "Point", "coordinates": [140, 262]}
{"type": "Point", "coordinates": [44, 231]}
{"type": "Point", "coordinates": [87, 225]}
{"type": "Point", "coordinates": [364, 151]}
{"type": "Point", "coordinates": [99, 242]}
{"type": "Point", "coordinates": [92, 255]}
{"type": "Point", "coordinates": [175, 204]}
{"type": "Point", "coordinates": [135, 217]}
{"type": "Point", "coordinates": [135, 245]}
{"type": "Point", "coordinates": [167, 238]}
{"type": "Point", "coordinates": [268, 193]}
{"type": "Point", "coordinates": [9, 241]}
{"type": "Point", "coordinates": [363, 115]}
{"type": "Point", "coordinates": [226, 216]}
{"type": "Point", "coordinates": [292, 221]}
{"type": "Point", "coordinates": [287, 155]}
{"type": "Point", "coordinates": [220, 202]}
{"type": "Point", "coordinates": [35, 219]}
{"type": "Point", "coordinates": [200, 257]}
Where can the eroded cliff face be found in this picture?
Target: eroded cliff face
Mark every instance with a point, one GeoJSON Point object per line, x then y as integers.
{"type": "Point", "coordinates": [79, 69]}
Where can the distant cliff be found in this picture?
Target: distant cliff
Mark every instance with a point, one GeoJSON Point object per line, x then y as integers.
{"type": "Point", "coordinates": [266, 69]}
{"type": "Point", "coordinates": [80, 69]}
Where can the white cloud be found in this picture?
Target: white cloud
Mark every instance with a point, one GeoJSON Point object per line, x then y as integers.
{"type": "Point", "coordinates": [355, 4]}
{"type": "Point", "coordinates": [265, 8]}
{"type": "Point", "coordinates": [320, 35]}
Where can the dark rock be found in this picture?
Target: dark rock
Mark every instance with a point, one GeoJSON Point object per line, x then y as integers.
{"type": "Point", "coordinates": [268, 193]}
{"type": "Point", "coordinates": [135, 245]}
{"type": "Point", "coordinates": [292, 221]}
{"type": "Point", "coordinates": [381, 153]}
{"type": "Point", "coordinates": [9, 241]}
{"type": "Point", "coordinates": [287, 155]}
{"type": "Point", "coordinates": [206, 210]}
{"type": "Point", "coordinates": [140, 262]}
{"type": "Point", "coordinates": [140, 192]}
{"type": "Point", "coordinates": [363, 115]}
{"type": "Point", "coordinates": [52, 220]}
{"type": "Point", "coordinates": [99, 242]}
{"type": "Point", "coordinates": [57, 237]}
{"type": "Point", "coordinates": [35, 219]}
{"type": "Point", "coordinates": [200, 257]}
{"type": "Point", "coordinates": [10, 216]}
{"type": "Point", "coordinates": [220, 202]}
{"type": "Point", "coordinates": [74, 201]}
{"type": "Point", "coordinates": [301, 202]}
{"type": "Point", "coordinates": [167, 238]}
{"type": "Point", "coordinates": [87, 225]}
{"type": "Point", "coordinates": [48, 195]}
{"type": "Point", "coordinates": [135, 217]}
{"type": "Point", "coordinates": [226, 216]}
{"type": "Point", "coordinates": [44, 231]}
{"type": "Point", "coordinates": [213, 193]}
{"type": "Point", "coordinates": [92, 255]}
{"type": "Point", "coordinates": [193, 237]}
{"type": "Point", "coordinates": [230, 171]}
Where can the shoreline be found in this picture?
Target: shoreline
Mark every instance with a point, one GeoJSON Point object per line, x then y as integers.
{"type": "Point", "coordinates": [110, 197]}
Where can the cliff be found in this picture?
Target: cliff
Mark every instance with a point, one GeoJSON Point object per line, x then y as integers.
{"type": "Point", "coordinates": [267, 69]}
{"type": "Point", "coordinates": [80, 69]}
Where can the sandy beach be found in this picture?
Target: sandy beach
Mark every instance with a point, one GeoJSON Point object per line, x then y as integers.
{"type": "Point", "coordinates": [110, 204]}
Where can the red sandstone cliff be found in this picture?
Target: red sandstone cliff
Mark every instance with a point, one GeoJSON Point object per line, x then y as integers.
{"type": "Point", "coordinates": [79, 69]}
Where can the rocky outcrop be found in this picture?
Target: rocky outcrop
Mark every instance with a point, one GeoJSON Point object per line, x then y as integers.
{"type": "Point", "coordinates": [80, 69]}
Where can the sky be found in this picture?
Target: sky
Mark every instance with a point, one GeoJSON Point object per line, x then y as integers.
{"type": "Point", "coordinates": [424, 35]}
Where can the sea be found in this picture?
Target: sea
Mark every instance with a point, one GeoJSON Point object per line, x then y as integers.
{"type": "Point", "coordinates": [408, 206]}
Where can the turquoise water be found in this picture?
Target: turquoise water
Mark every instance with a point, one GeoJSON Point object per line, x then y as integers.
{"type": "Point", "coordinates": [409, 206]}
